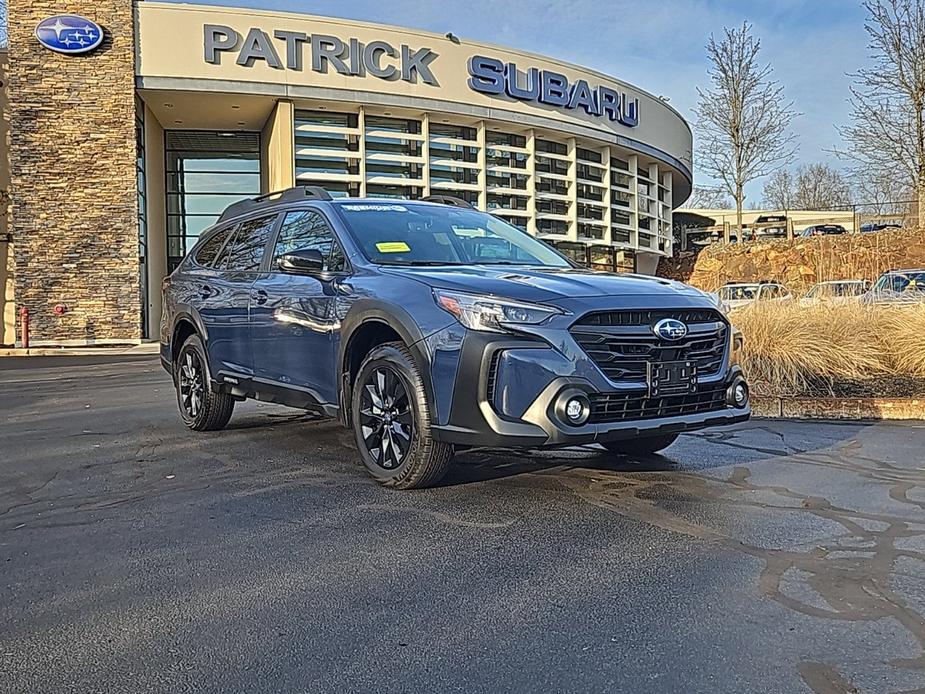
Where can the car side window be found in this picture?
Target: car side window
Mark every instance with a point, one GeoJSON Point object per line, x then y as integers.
{"type": "Point", "coordinates": [206, 254]}
{"type": "Point", "coordinates": [248, 244]}
{"type": "Point", "coordinates": [305, 230]}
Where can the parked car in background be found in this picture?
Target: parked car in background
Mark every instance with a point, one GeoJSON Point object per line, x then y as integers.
{"type": "Point", "coordinates": [836, 292]}
{"type": "Point", "coordinates": [424, 326]}
{"type": "Point", "coordinates": [823, 230]}
{"type": "Point", "coordinates": [875, 226]}
{"type": "Point", "coordinates": [777, 228]}
{"type": "Point", "coordinates": [898, 286]}
{"type": "Point", "coordinates": [738, 294]}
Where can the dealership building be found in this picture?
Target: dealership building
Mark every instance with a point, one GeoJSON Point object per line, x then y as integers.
{"type": "Point", "coordinates": [129, 133]}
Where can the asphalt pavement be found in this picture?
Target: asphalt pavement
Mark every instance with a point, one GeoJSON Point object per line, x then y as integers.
{"type": "Point", "coordinates": [137, 556]}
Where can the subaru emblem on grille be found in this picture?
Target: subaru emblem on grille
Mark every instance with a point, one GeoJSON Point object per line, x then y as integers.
{"type": "Point", "coordinates": [670, 329]}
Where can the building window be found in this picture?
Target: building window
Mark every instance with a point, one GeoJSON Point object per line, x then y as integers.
{"type": "Point", "coordinates": [590, 173]}
{"type": "Point", "coordinates": [206, 171]}
{"type": "Point", "coordinates": [506, 202]}
{"type": "Point", "coordinates": [394, 150]}
{"type": "Point", "coordinates": [551, 226]}
{"type": "Point", "coordinates": [589, 192]}
{"type": "Point", "coordinates": [551, 147]}
{"type": "Point", "coordinates": [326, 148]}
{"type": "Point", "coordinates": [619, 236]}
{"type": "Point", "coordinates": [625, 261]}
{"type": "Point", "coordinates": [507, 180]}
{"type": "Point", "coordinates": [586, 211]}
{"type": "Point", "coordinates": [499, 157]}
{"type": "Point", "coordinates": [576, 251]}
{"type": "Point", "coordinates": [552, 185]}
{"type": "Point", "coordinates": [142, 213]}
{"type": "Point", "coordinates": [495, 138]}
{"type": "Point", "coordinates": [375, 190]}
{"type": "Point", "coordinates": [602, 258]}
{"type": "Point", "coordinates": [591, 231]}
{"type": "Point", "coordinates": [558, 167]}
{"type": "Point", "coordinates": [588, 155]}
{"type": "Point", "coordinates": [545, 206]}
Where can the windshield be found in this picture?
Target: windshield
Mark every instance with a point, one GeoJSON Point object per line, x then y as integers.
{"type": "Point", "coordinates": [901, 282]}
{"type": "Point", "coordinates": [738, 293]}
{"type": "Point", "coordinates": [412, 234]}
{"type": "Point", "coordinates": [821, 291]}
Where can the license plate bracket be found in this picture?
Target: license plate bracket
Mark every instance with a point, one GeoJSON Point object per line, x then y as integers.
{"type": "Point", "coordinates": [671, 378]}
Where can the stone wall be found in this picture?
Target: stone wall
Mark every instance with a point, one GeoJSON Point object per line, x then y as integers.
{"type": "Point", "coordinates": [799, 263]}
{"type": "Point", "coordinates": [73, 184]}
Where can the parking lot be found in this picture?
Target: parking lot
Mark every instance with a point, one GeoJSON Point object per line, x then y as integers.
{"type": "Point", "coordinates": [138, 556]}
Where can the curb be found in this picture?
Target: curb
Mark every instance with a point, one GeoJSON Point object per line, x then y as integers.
{"type": "Point", "coordinates": [131, 350]}
{"type": "Point", "coordinates": [839, 408]}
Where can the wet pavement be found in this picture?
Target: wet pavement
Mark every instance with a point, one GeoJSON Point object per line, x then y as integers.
{"type": "Point", "coordinates": [138, 556]}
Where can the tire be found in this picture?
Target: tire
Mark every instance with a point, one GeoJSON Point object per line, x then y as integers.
{"type": "Point", "coordinates": [200, 407]}
{"type": "Point", "coordinates": [644, 445]}
{"type": "Point", "coordinates": [391, 421]}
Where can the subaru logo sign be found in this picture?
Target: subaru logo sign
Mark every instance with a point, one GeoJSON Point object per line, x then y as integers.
{"type": "Point", "coordinates": [670, 329]}
{"type": "Point", "coordinates": [69, 33]}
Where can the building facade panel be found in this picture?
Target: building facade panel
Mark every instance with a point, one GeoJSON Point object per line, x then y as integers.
{"type": "Point", "coordinates": [73, 183]}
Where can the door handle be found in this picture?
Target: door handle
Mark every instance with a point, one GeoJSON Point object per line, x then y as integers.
{"type": "Point", "coordinates": [205, 291]}
{"type": "Point", "coordinates": [259, 296]}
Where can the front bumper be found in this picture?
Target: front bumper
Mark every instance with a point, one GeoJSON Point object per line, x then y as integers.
{"type": "Point", "coordinates": [508, 393]}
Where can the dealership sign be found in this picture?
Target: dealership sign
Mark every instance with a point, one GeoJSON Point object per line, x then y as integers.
{"type": "Point", "coordinates": [69, 33]}
{"type": "Point", "coordinates": [322, 53]}
{"type": "Point", "coordinates": [491, 76]}
{"type": "Point", "coordinates": [377, 58]}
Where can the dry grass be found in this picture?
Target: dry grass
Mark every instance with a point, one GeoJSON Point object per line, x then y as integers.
{"type": "Point", "coordinates": [792, 350]}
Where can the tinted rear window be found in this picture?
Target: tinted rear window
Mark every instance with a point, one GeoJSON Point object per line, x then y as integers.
{"type": "Point", "coordinates": [205, 256]}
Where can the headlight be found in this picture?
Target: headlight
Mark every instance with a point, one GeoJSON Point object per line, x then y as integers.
{"type": "Point", "coordinates": [489, 314]}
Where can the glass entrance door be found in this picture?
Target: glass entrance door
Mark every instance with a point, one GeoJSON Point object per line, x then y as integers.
{"type": "Point", "coordinates": [206, 171]}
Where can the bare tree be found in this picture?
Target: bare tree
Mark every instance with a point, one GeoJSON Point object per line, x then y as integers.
{"type": "Point", "coordinates": [743, 119]}
{"type": "Point", "coordinates": [820, 187]}
{"type": "Point", "coordinates": [886, 135]}
{"type": "Point", "coordinates": [708, 198]}
{"type": "Point", "coordinates": [778, 191]}
{"type": "Point", "coordinates": [812, 187]}
{"type": "Point", "coordinates": [881, 192]}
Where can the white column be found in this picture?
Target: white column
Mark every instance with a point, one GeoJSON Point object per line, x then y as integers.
{"type": "Point", "coordinates": [483, 167]}
{"type": "Point", "coordinates": [361, 126]}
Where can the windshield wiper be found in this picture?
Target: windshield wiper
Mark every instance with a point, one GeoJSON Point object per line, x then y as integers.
{"type": "Point", "coordinates": [421, 263]}
{"type": "Point", "coordinates": [520, 263]}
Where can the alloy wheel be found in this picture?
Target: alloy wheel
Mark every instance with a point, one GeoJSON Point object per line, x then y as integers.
{"type": "Point", "coordinates": [192, 384]}
{"type": "Point", "coordinates": [386, 421]}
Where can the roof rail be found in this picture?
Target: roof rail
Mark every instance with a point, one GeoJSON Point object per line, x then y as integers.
{"type": "Point", "coordinates": [293, 194]}
{"type": "Point", "coordinates": [447, 200]}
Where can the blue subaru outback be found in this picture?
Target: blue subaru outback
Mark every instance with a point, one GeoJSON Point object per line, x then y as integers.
{"type": "Point", "coordinates": [428, 326]}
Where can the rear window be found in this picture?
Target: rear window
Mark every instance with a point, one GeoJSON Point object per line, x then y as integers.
{"type": "Point", "coordinates": [738, 293]}
{"type": "Point", "coordinates": [207, 252]}
{"type": "Point", "coordinates": [249, 243]}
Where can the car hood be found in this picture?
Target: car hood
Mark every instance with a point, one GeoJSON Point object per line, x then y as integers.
{"type": "Point", "coordinates": [543, 284]}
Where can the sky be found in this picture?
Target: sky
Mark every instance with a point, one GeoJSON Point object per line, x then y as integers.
{"type": "Point", "coordinates": [657, 45]}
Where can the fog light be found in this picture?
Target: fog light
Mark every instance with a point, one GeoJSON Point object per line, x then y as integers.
{"type": "Point", "coordinates": [737, 395]}
{"type": "Point", "coordinates": [574, 407]}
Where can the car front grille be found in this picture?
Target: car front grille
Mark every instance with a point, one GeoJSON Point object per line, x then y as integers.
{"type": "Point", "coordinates": [624, 407]}
{"type": "Point", "coordinates": [622, 343]}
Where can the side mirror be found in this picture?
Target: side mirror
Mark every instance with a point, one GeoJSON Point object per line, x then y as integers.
{"type": "Point", "coordinates": [307, 261]}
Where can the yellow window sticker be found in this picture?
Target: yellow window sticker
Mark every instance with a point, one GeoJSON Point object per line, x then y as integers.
{"type": "Point", "coordinates": [393, 247]}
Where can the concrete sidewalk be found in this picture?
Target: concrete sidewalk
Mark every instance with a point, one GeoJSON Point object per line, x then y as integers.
{"type": "Point", "coordinates": [126, 350]}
